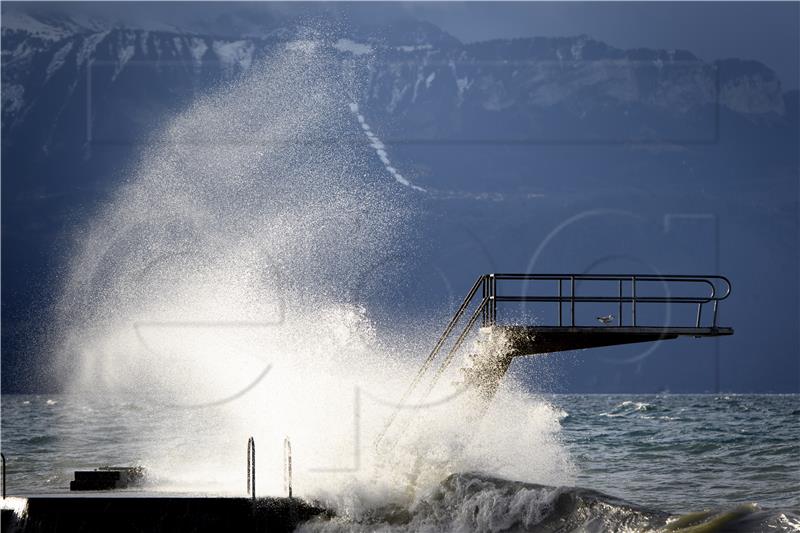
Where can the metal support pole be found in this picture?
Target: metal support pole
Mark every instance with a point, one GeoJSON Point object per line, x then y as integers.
{"type": "Point", "coordinates": [4, 474]}
{"type": "Point", "coordinates": [484, 287]}
{"type": "Point", "coordinates": [619, 320]}
{"type": "Point", "coordinates": [633, 293]}
{"type": "Point", "coordinates": [714, 324]}
{"type": "Point", "coordinates": [251, 467]}
{"type": "Point", "coordinates": [560, 297]}
{"type": "Point", "coordinates": [493, 300]}
{"type": "Point", "coordinates": [699, 313]}
{"type": "Point", "coordinates": [572, 299]}
{"type": "Point", "coordinates": [287, 466]}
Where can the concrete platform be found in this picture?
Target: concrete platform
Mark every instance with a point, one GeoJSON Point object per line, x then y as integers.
{"type": "Point", "coordinates": [140, 513]}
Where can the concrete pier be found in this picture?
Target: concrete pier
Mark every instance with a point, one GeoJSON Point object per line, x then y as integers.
{"type": "Point", "coordinates": [135, 513]}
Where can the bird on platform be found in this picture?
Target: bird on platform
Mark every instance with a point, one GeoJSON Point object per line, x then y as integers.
{"type": "Point", "coordinates": [608, 319]}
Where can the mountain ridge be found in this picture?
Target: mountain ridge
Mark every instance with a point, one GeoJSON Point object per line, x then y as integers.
{"type": "Point", "coordinates": [747, 87]}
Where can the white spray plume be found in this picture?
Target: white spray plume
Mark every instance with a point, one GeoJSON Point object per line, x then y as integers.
{"type": "Point", "coordinates": [219, 282]}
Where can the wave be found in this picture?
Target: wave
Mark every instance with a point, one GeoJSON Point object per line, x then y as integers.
{"type": "Point", "coordinates": [478, 502]}
{"type": "Point", "coordinates": [629, 407]}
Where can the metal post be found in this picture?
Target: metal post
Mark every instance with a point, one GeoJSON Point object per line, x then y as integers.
{"type": "Point", "coordinates": [560, 296]}
{"type": "Point", "coordinates": [251, 467]}
{"type": "Point", "coordinates": [572, 299]}
{"type": "Point", "coordinates": [493, 300]}
{"type": "Point", "coordinates": [485, 294]}
{"type": "Point", "coordinates": [287, 466]}
{"type": "Point", "coordinates": [619, 320]}
{"type": "Point", "coordinates": [4, 474]}
{"type": "Point", "coordinates": [633, 293]}
{"type": "Point", "coordinates": [699, 313]}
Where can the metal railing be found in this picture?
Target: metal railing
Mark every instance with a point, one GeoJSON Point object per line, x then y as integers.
{"type": "Point", "coordinates": [631, 282]}
{"type": "Point", "coordinates": [251, 467]}
{"type": "Point", "coordinates": [438, 347]}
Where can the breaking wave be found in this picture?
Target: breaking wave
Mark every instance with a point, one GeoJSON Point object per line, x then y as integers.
{"type": "Point", "coordinates": [476, 502]}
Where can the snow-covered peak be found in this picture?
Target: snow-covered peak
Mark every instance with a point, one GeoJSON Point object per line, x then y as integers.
{"type": "Point", "coordinates": [352, 47]}
{"type": "Point", "coordinates": [16, 21]}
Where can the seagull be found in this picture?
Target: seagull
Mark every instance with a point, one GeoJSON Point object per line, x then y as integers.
{"type": "Point", "coordinates": [608, 319]}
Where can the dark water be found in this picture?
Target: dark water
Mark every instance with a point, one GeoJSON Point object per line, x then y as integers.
{"type": "Point", "coordinates": [682, 452]}
{"type": "Point", "coordinates": [644, 463]}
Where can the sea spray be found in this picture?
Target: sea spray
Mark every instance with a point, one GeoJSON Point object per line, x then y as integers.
{"type": "Point", "coordinates": [245, 211]}
{"type": "Point", "coordinates": [218, 283]}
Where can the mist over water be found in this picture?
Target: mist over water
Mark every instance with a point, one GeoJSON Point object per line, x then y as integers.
{"type": "Point", "coordinates": [225, 286]}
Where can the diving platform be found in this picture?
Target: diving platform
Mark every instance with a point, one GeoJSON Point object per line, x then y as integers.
{"type": "Point", "coordinates": [519, 315]}
{"type": "Point", "coordinates": [563, 312]}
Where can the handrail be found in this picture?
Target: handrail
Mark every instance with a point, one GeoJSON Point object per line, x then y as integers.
{"type": "Point", "coordinates": [287, 466]}
{"type": "Point", "coordinates": [480, 282]}
{"type": "Point", "coordinates": [451, 325]}
{"type": "Point", "coordinates": [459, 341]}
{"type": "Point", "coordinates": [251, 467]}
{"type": "Point", "coordinates": [633, 280]}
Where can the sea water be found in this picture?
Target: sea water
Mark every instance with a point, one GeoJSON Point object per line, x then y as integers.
{"type": "Point", "coordinates": [638, 462]}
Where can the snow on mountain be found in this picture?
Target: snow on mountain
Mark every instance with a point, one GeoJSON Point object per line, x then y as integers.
{"type": "Point", "coordinates": [37, 27]}
{"type": "Point", "coordinates": [234, 54]}
{"type": "Point", "coordinates": [58, 59]}
{"type": "Point", "coordinates": [13, 98]}
{"type": "Point", "coordinates": [357, 49]}
{"type": "Point", "coordinates": [380, 150]}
